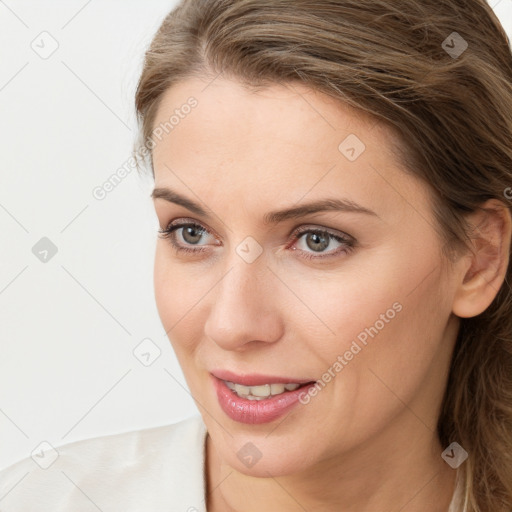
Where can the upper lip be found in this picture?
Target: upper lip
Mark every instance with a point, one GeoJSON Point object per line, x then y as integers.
{"type": "Point", "coordinates": [256, 379]}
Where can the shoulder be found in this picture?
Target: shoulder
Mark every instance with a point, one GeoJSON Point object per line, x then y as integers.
{"type": "Point", "coordinates": [157, 466]}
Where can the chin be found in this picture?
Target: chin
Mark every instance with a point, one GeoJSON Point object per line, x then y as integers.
{"type": "Point", "coordinates": [261, 456]}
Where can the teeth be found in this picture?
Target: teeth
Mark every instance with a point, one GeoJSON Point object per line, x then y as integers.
{"type": "Point", "coordinates": [242, 390]}
{"type": "Point", "coordinates": [260, 392]}
{"type": "Point", "coordinates": [275, 389]}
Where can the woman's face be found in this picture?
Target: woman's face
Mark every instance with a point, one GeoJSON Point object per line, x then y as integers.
{"type": "Point", "coordinates": [352, 296]}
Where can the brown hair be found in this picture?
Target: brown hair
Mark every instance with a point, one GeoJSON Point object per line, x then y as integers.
{"type": "Point", "coordinates": [452, 113]}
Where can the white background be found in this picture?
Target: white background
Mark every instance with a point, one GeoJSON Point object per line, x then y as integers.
{"type": "Point", "coordinates": [69, 326]}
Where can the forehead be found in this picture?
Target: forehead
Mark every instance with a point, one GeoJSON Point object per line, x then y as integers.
{"type": "Point", "coordinates": [287, 113]}
{"type": "Point", "coordinates": [280, 139]}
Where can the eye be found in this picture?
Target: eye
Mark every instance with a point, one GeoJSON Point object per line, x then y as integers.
{"type": "Point", "coordinates": [191, 233]}
{"type": "Point", "coordinates": [318, 240]}
{"type": "Point", "coordinates": [314, 239]}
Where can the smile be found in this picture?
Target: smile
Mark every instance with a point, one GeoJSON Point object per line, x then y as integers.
{"type": "Point", "coordinates": [258, 398]}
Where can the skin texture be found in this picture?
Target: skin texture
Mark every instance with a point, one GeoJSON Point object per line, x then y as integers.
{"type": "Point", "coordinates": [367, 441]}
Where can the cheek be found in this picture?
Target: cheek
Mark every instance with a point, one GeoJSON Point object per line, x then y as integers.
{"type": "Point", "coordinates": [179, 295]}
{"type": "Point", "coordinates": [395, 288]}
{"type": "Point", "coordinates": [392, 297]}
{"type": "Point", "coordinates": [388, 328]}
{"type": "Point", "coordinates": [348, 303]}
{"type": "Point", "coordinates": [165, 287]}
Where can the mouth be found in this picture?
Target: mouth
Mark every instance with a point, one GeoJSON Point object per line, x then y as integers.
{"type": "Point", "coordinates": [257, 398]}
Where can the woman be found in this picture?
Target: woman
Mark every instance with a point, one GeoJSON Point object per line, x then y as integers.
{"type": "Point", "coordinates": [333, 187]}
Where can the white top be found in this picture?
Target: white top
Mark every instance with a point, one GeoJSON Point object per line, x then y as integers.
{"type": "Point", "coordinates": [149, 470]}
{"type": "Point", "coordinates": [159, 469]}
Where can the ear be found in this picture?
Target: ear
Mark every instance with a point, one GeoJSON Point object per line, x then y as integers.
{"type": "Point", "coordinates": [484, 269]}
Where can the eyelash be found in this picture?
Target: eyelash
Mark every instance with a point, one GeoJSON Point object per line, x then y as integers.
{"type": "Point", "coordinates": [349, 242]}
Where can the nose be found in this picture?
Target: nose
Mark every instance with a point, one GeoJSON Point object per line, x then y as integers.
{"type": "Point", "coordinates": [245, 311]}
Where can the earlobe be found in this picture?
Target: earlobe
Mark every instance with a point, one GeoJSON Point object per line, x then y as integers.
{"type": "Point", "coordinates": [484, 269]}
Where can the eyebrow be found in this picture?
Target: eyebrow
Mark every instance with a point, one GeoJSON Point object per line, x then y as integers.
{"type": "Point", "coordinates": [274, 217]}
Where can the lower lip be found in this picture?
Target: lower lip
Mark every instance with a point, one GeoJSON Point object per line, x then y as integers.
{"type": "Point", "coordinates": [256, 411]}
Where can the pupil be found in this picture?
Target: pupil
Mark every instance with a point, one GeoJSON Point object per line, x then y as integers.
{"type": "Point", "coordinates": [317, 239]}
{"type": "Point", "coordinates": [190, 231]}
